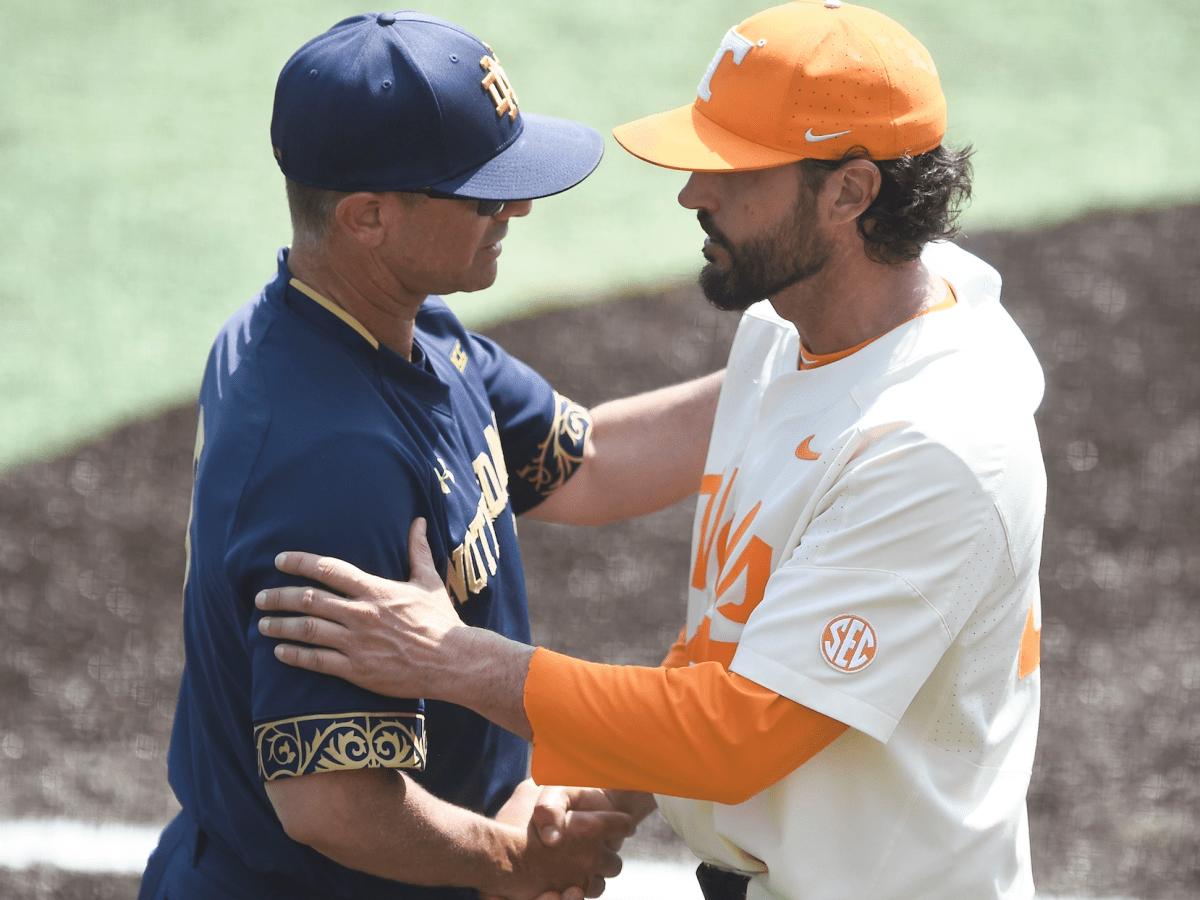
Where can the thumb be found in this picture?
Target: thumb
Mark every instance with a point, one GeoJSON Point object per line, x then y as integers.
{"type": "Point", "coordinates": [550, 815]}
{"type": "Point", "coordinates": [422, 570]}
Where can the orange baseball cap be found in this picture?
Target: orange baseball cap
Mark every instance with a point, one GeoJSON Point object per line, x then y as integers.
{"type": "Point", "coordinates": [807, 80]}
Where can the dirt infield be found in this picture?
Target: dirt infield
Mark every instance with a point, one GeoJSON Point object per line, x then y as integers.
{"type": "Point", "coordinates": [91, 561]}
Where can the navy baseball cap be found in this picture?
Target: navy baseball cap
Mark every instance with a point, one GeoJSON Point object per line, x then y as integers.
{"type": "Point", "coordinates": [407, 101]}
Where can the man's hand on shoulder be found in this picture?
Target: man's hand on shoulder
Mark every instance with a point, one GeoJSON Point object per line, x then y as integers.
{"type": "Point", "coordinates": [398, 638]}
{"type": "Point", "coordinates": [367, 634]}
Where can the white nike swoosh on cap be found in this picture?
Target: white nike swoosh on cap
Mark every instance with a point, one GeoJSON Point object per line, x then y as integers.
{"type": "Point", "coordinates": [814, 138]}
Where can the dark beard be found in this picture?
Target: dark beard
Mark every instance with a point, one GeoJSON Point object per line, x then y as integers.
{"type": "Point", "coordinates": [764, 266]}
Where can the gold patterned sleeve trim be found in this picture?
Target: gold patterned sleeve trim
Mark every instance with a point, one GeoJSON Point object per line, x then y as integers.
{"type": "Point", "coordinates": [308, 744]}
{"type": "Point", "coordinates": [560, 454]}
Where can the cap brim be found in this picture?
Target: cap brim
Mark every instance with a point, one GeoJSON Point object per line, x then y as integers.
{"type": "Point", "coordinates": [550, 156]}
{"type": "Point", "coordinates": [685, 139]}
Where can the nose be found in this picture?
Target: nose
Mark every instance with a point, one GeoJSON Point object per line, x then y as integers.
{"type": "Point", "coordinates": [699, 191]}
{"type": "Point", "coordinates": [514, 209]}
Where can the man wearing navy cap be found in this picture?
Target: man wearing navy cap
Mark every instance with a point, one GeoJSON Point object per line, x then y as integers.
{"type": "Point", "coordinates": [349, 384]}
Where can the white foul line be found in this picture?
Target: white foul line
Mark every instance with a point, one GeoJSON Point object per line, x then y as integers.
{"type": "Point", "coordinates": [115, 848]}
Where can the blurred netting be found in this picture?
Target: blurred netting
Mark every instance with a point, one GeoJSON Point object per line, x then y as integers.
{"type": "Point", "coordinates": [91, 559]}
{"type": "Point", "coordinates": [1112, 305]}
{"type": "Point", "coordinates": [91, 570]}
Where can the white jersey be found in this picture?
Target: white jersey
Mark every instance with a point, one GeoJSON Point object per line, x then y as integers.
{"type": "Point", "coordinates": [867, 543]}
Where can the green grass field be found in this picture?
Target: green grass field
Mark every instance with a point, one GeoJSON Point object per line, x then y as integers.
{"type": "Point", "coordinates": [141, 203]}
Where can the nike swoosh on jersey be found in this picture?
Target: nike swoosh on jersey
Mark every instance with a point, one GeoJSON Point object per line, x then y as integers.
{"type": "Point", "coordinates": [817, 138]}
{"type": "Point", "coordinates": [806, 452]}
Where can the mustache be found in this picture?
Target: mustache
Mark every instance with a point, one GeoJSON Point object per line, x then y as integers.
{"type": "Point", "coordinates": [715, 234]}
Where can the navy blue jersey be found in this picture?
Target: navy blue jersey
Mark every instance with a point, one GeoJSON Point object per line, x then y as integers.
{"type": "Point", "coordinates": [313, 437]}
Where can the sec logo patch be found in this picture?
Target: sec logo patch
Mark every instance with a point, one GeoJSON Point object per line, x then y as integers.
{"type": "Point", "coordinates": [849, 643]}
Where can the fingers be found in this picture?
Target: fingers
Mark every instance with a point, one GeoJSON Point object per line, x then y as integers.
{"type": "Point", "coordinates": [335, 573]}
{"type": "Point", "coordinates": [607, 829]}
{"type": "Point", "coordinates": [306, 600]}
{"type": "Point", "coordinates": [315, 659]}
{"type": "Point", "coordinates": [305, 629]}
{"type": "Point", "coordinates": [323, 623]}
{"type": "Point", "coordinates": [549, 816]}
{"type": "Point", "coordinates": [308, 629]}
{"type": "Point", "coordinates": [615, 827]}
{"type": "Point", "coordinates": [610, 865]}
{"type": "Point", "coordinates": [352, 581]}
{"type": "Point", "coordinates": [422, 569]}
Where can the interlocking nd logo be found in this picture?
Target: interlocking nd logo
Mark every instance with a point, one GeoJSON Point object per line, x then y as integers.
{"type": "Point", "coordinates": [495, 82]}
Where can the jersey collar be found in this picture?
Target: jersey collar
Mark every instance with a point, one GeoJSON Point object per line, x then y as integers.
{"type": "Point", "coordinates": [810, 360]}
{"type": "Point", "coordinates": [335, 309]}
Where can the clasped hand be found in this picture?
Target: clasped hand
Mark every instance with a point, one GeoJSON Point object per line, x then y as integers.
{"type": "Point", "coordinates": [576, 830]}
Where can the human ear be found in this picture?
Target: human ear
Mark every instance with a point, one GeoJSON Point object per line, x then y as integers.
{"type": "Point", "coordinates": [360, 216]}
{"type": "Point", "coordinates": [853, 187]}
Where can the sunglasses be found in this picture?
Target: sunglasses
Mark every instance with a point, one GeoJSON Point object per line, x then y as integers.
{"type": "Point", "coordinates": [485, 208]}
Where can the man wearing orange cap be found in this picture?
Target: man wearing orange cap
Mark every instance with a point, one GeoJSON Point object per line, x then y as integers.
{"type": "Point", "coordinates": [852, 708]}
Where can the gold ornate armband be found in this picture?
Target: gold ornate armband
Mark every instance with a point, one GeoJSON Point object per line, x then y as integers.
{"type": "Point", "coordinates": [328, 743]}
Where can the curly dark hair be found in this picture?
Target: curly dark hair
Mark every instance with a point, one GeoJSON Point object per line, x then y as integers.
{"type": "Point", "coordinates": [919, 199]}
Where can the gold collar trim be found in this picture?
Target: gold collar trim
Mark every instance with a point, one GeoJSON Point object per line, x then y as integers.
{"type": "Point", "coordinates": [335, 309]}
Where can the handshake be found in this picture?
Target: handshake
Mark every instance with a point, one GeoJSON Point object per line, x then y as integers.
{"type": "Point", "coordinates": [405, 639]}
{"type": "Point", "coordinates": [570, 840]}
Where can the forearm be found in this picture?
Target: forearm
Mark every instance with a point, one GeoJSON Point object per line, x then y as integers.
{"type": "Point", "coordinates": [666, 730]}
{"type": "Point", "coordinates": [381, 822]}
{"type": "Point", "coordinates": [483, 671]}
{"type": "Point", "coordinates": [646, 453]}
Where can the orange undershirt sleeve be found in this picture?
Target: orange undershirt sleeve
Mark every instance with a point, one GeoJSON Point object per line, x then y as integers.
{"type": "Point", "coordinates": [677, 656]}
{"type": "Point", "coordinates": [699, 732]}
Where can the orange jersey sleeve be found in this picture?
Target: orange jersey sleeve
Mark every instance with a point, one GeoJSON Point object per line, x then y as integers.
{"type": "Point", "coordinates": [699, 731]}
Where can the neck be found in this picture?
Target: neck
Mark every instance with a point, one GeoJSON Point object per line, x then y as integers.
{"type": "Point", "coordinates": [364, 289]}
{"type": "Point", "coordinates": [853, 300]}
